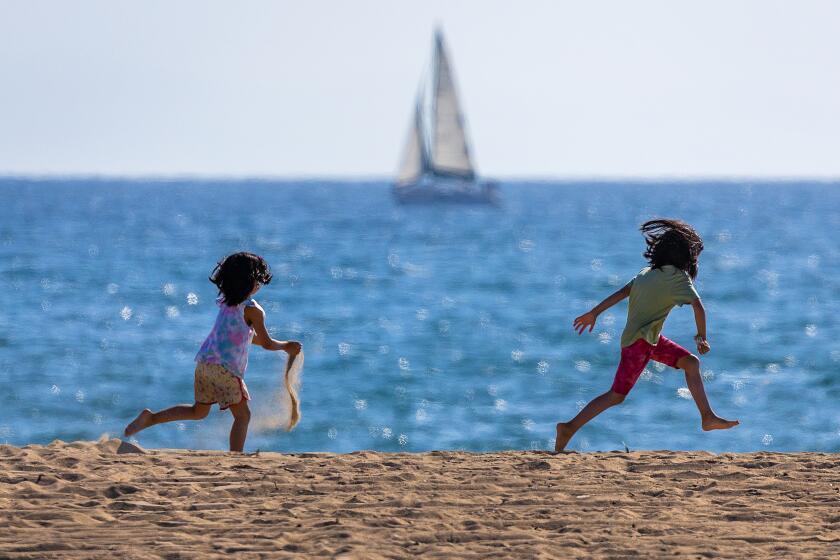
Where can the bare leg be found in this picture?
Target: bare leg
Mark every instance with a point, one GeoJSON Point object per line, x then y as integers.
{"type": "Point", "coordinates": [239, 430]}
{"type": "Point", "coordinates": [565, 430]}
{"type": "Point", "coordinates": [710, 420]}
{"type": "Point", "coordinates": [147, 418]}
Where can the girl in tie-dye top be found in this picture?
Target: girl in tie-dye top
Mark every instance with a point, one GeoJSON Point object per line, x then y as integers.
{"type": "Point", "coordinates": [228, 342]}
{"type": "Point", "coordinates": [223, 358]}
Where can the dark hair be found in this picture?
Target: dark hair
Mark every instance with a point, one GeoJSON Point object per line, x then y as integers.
{"type": "Point", "coordinates": [238, 274]}
{"type": "Point", "coordinates": [672, 242]}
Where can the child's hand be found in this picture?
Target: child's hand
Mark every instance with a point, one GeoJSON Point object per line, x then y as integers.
{"type": "Point", "coordinates": [292, 347]}
{"type": "Point", "coordinates": [585, 320]}
{"type": "Point", "coordinates": [703, 346]}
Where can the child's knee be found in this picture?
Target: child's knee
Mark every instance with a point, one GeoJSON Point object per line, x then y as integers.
{"type": "Point", "coordinates": [201, 410]}
{"type": "Point", "coordinates": [616, 398]}
{"type": "Point", "coordinates": [242, 413]}
{"type": "Point", "coordinates": [690, 362]}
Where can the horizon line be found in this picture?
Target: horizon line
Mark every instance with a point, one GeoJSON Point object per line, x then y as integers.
{"type": "Point", "coordinates": [163, 177]}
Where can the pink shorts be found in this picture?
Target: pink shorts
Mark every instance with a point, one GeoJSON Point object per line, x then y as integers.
{"type": "Point", "coordinates": [635, 357]}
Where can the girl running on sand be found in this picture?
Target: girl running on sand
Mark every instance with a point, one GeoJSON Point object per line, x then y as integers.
{"type": "Point", "coordinates": [672, 251]}
{"type": "Point", "coordinates": [223, 357]}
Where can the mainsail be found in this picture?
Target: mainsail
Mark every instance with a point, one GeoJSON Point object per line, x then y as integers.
{"type": "Point", "coordinates": [414, 160]}
{"type": "Point", "coordinates": [450, 153]}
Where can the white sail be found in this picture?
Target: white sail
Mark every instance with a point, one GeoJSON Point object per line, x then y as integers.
{"type": "Point", "coordinates": [450, 153]}
{"type": "Point", "coordinates": [436, 164]}
{"type": "Point", "coordinates": [414, 154]}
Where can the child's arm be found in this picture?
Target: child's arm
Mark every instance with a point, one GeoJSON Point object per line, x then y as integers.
{"type": "Point", "coordinates": [255, 317]}
{"type": "Point", "coordinates": [588, 318]}
{"type": "Point", "coordinates": [700, 320]}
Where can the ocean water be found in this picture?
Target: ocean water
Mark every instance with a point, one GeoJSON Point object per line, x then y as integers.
{"type": "Point", "coordinates": [424, 327]}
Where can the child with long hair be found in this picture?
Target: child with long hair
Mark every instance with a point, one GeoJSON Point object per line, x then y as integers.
{"type": "Point", "coordinates": [673, 248]}
{"type": "Point", "coordinates": [222, 359]}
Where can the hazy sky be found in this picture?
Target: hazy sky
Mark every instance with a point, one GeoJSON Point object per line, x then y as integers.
{"type": "Point", "coordinates": [325, 88]}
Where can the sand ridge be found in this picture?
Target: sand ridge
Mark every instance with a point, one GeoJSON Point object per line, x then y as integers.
{"type": "Point", "coordinates": [85, 500]}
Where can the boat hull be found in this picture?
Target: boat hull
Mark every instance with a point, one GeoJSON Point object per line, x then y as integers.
{"type": "Point", "coordinates": [438, 190]}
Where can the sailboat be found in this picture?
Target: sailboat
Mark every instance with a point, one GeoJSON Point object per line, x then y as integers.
{"type": "Point", "coordinates": [436, 165]}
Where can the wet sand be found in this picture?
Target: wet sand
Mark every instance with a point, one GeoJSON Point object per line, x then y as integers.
{"type": "Point", "coordinates": [86, 500]}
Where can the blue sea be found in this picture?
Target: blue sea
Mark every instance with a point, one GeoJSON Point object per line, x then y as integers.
{"type": "Point", "coordinates": [438, 327]}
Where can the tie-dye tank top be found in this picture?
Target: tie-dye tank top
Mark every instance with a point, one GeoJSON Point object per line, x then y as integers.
{"type": "Point", "coordinates": [228, 342]}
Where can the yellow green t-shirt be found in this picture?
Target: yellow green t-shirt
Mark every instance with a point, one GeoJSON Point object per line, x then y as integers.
{"type": "Point", "coordinates": [653, 293]}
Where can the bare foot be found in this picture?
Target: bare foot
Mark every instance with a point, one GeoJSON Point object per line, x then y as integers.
{"type": "Point", "coordinates": [142, 421]}
{"type": "Point", "coordinates": [564, 434]}
{"type": "Point", "coordinates": [716, 423]}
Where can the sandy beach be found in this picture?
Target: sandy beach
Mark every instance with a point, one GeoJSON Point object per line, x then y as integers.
{"type": "Point", "coordinates": [87, 500]}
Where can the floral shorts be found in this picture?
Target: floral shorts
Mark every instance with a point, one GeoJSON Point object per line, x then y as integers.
{"type": "Point", "coordinates": [214, 383]}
